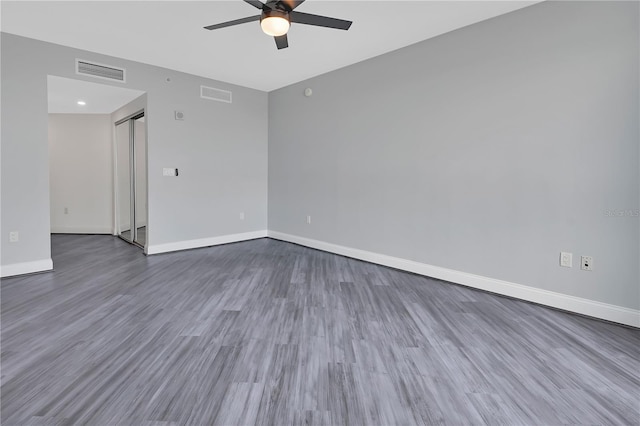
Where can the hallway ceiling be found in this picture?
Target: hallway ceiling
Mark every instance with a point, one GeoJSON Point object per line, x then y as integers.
{"type": "Point", "coordinates": [64, 94]}
{"type": "Point", "coordinates": [170, 34]}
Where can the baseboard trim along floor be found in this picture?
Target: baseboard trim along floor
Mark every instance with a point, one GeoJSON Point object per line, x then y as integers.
{"type": "Point", "coordinates": [608, 312]}
{"type": "Point", "coordinates": [205, 242]}
{"type": "Point", "coordinates": [26, 268]}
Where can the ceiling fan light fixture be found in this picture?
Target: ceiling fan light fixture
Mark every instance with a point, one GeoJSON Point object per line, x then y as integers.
{"type": "Point", "coordinates": [275, 23]}
{"type": "Point", "coordinates": [277, 16]}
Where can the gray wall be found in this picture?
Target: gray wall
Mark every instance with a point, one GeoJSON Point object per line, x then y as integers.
{"type": "Point", "coordinates": [486, 150]}
{"type": "Point", "coordinates": [220, 149]}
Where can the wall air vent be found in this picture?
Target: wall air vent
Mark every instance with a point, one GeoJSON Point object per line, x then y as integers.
{"type": "Point", "coordinates": [215, 94]}
{"type": "Point", "coordinates": [106, 72]}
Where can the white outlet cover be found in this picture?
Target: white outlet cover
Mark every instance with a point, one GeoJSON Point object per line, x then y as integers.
{"type": "Point", "coordinates": [586, 263]}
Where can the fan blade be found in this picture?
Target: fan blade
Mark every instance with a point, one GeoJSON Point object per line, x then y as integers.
{"type": "Point", "coordinates": [255, 3]}
{"type": "Point", "coordinates": [291, 4]}
{"type": "Point", "coordinates": [320, 21]}
{"type": "Point", "coordinates": [236, 22]}
{"type": "Point", "coordinates": [282, 42]}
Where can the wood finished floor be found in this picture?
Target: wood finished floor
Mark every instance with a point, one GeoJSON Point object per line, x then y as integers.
{"type": "Point", "coordinates": [269, 333]}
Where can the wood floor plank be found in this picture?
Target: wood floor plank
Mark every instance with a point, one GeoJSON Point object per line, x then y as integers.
{"type": "Point", "coordinates": [269, 333]}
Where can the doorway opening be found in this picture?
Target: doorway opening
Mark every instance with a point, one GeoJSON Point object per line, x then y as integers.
{"type": "Point", "coordinates": [82, 155]}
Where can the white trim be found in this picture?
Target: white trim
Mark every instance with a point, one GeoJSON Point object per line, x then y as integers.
{"type": "Point", "coordinates": [566, 302]}
{"type": "Point", "coordinates": [205, 242]}
{"type": "Point", "coordinates": [26, 267]}
{"type": "Point", "coordinates": [82, 230]}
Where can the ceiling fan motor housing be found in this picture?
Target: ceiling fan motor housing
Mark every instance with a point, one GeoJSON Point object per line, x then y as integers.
{"type": "Point", "coordinates": [274, 13]}
{"type": "Point", "coordinates": [277, 5]}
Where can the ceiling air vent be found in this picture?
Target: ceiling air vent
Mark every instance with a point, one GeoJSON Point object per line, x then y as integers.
{"type": "Point", "coordinates": [93, 69]}
{"type": "Point", "coordinates": [215, 94]}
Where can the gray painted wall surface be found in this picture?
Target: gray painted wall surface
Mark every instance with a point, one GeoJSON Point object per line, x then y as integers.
{"type": "Point", "coordinates": [487, 150]}
{"type": "Point", "coordinates": [220, 149]}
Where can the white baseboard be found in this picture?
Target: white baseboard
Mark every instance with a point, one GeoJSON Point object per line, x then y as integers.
{"type": "Point", "coordinates": [205, 242]}
{"type": "Point", "coordinates": [81, 230]}
{"type": "Point", "coordinates": [566, 302]}
{"type": "Point", "coordinates": [26, 268]}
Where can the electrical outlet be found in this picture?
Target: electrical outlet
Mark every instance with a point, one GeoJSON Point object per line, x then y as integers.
{"type": "Point", "coordinates": [586, 263]}
{"type": "Point", "coordinates": [14, 237]}
{"type": "Point", "coordinates": [308, 220]}
{"type": "Point", "coordinates": [241, 215]}
{"type": "Point", "coordinates": [566, 259]}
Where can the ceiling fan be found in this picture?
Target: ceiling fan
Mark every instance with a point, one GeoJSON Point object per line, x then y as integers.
{"type": "Point", "coordinates": [277, 16]}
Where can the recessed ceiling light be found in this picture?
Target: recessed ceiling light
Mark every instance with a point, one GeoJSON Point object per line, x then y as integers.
{"type": "Point", "coordinates": [82, 103]}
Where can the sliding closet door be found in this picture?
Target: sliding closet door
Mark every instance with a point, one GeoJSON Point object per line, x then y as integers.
{"type": "Point", "coordinates": [123, 173]}
{"type": "Point", "coordinates": [131, 173]}
{"type": "Point", "coordinates": [140, 161]}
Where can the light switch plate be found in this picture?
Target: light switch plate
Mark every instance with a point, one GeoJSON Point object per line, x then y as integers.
{"type": "Point", "coordinates": [168, 171]}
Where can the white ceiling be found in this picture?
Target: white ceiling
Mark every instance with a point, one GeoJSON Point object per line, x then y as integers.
{"type": "Point", "coordinates": [64, 94]}
{"type": "Point", "coordinates": [170, 34]}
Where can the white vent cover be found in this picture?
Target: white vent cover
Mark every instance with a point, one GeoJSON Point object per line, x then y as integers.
{"type": "Point", "coordinates": [106, 72]}
{"type": "Point", "coordinates": [215, 94]}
